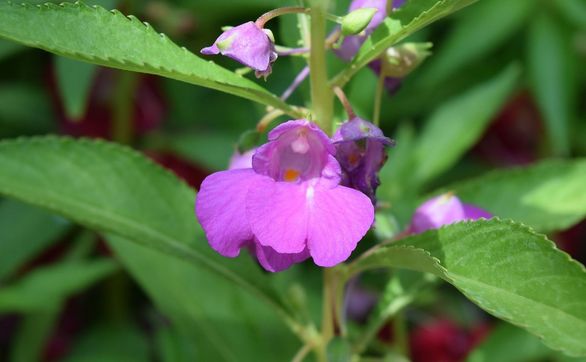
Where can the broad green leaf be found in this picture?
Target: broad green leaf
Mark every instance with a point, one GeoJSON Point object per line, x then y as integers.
{"type": "Point", "coordinates": [548, 196]}
{"type": "Point", "coordinates": [507, 343]}
{"type": "Point", "coordinates": [549, 64]}
{"type": "Point", "coordinates": [458, 124]}
{"type": "Point", "coordinates": [411, 17]}
{"type": "Point", "coordinates": [114, 341]}
{"type": "Point", "coordinates": [25, 232]}
{"type": "Point", "coordinates": [74, 80]}
{"type": "Point", "coordinates": [111, 188]}
{"type": "Point", "coordinates": [43, 288]}
{"type": "Point", "coordinates": [223, 323]}
{"type": "Point", "coordinates": [507, 269]}
{"type": "Point", "coordinates": [474, 35]}
{"type": "Point", "coordinates": [108, 38]}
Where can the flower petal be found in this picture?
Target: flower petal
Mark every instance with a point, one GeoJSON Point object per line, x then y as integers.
{"type": "Point", "coordinates": [276, 262]}
{"type": "Point", "coordinates": [220, 209]}
{"type": "Point", "coordinates": [338, 219]}
{"type": "Point", "coordinates": [434, 213]}
{"type": "Point", "coordinates": [472, 212]}
{"type": "Point", "coordinates": [277, 213]}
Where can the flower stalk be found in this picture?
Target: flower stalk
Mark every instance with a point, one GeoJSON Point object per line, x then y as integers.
{"type": "Point", "coordinates": [321, 94]}
{"type": "Point", "coordinates": [266, 17]}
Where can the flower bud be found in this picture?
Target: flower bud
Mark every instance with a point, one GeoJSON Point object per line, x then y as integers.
{"type": "Point", "coordinates": [247, 44]}
{"type": "Point", "coordinates": [356, 21]}
{"type": "Point", "coordinates": [401, 60]}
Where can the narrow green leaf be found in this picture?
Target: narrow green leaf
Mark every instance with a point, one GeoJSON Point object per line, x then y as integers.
{"type": "Point", "coordinates": [548, 196]}
{"type": "Point", "coordinates": [458, 124]}
{"type": "Point", "coordinates": [44, 288]}
{"type": "Point", "coordinates": [32, 334]}
{"type": "Point", "coordinates": [108, 38]}
{"type": "Point", "coordinates": [551, 81]}
{"type": "Point", "coordinates": [74, 80]}
{"type": "Point", "coordinates": [474, 35]}
{"type": "Point", "coordinates": [411, 17]}
{"type": "Point", "coordinates": [505, 268]}
{"type": "Point", "coordinates": [25, 232]}
{"type": "Point", "coordinates": [224, 323]}
{"type": "Point", "coordinates": [117, 190]}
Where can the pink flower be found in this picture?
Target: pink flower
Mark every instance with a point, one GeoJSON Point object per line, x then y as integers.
{"type": "Point", "coordinates": [247, 44]}
{"type": "Point", "coordinates": [289, 206]}
{"type": "Point", "coordinates": [443, 210]}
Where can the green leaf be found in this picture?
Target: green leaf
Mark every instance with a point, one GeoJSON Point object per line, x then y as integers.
{"type": "Point", "coordinates": [573, 10]}
{"type": "Point", "coordinates": [25, 109]}
{"type": "Point", "coordinates": [505, 268]}
{"type": "Point", "coordinates": [32, 334]}
{"type": "Point", "coordinates": [507, 343]}
{"type": "Point", "coordinates": [209, 149]}
{"type": "Point", "coordinates": [8, 48]}
{"type": "Point", "coordinates": [74, 80]}
{"type": "Point", "coordinates": [411, 17]}
{"type": "Point", "coordinates": [474, 35]}
{"type": "Point", "coordinates": [111, 188]}
{"type": "Point", "coordinates": [222, 322]}
{"type": "Point", "coordinates": [547, 196]}
{"type": "Point", "coordinates": [108, 38]}
{"type": "Point", "coordinates": [458, 124]}
{"type": "Point", "coordinates": [26, 231]}
{"type": "Point", "coordinates": [43, 288]}
{"type": "Point", "coordinates": [549, 64]}
{"type": "Point", "coordinates": [120, 342]}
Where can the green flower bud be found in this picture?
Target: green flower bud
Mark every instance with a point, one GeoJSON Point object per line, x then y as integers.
{"type": "Point", "coordinates": [356, 21]}
{"type": "Point", "coordinates": [401, 60]}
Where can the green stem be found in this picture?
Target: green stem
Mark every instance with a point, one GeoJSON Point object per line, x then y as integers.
{"type": "Point", "coordinates": [264, 18]}
{"type": "Point", "coordinates": [321, 94]}
{"type": "Point", "coordinates": [327, 327]}
{"type": "Point", "coordinates": [123, 110]}
{"type": "Point", "coordinates": [400, 334]}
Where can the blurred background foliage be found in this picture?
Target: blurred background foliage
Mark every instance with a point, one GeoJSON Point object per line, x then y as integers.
{"type": "Point", "coordinates": [506, 86]}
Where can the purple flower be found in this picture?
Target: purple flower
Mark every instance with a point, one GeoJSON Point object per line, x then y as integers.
{"type": "Point", "coordinates": [247, 44]}
{"type": "Point", "coordinates": [361, 152]}
{"type": "Point", "coordinates": [241, 160]}
{"type": "Point", "coordinates": [443, 210]}
{"type": "Point", "coordinates": [288, 206]}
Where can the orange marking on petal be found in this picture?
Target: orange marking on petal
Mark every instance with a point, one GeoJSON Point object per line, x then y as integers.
{"type": "Point", "coordinates": [291, 175]}
{"type": "Point", "coordinates": [354, 158]}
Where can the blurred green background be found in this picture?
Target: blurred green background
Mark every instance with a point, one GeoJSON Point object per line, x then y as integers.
{"type": "Point", "coordinates": [505, 86]}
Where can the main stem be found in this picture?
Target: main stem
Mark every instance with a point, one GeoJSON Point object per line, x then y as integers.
{"type": "Point", "coordinates": [321, 94]}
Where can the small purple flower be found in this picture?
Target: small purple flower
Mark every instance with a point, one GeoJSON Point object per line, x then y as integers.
{"type": "Point", "coordinates": [247, 44]}
{"type": "Point", "coordinates": [288, 206]}
{"type": "Point", "coordinates": [241, 160]}
{"type": "Point", "coordinates": [361, 152]}
{"type": "Point", "coordinates": [443, 210]}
